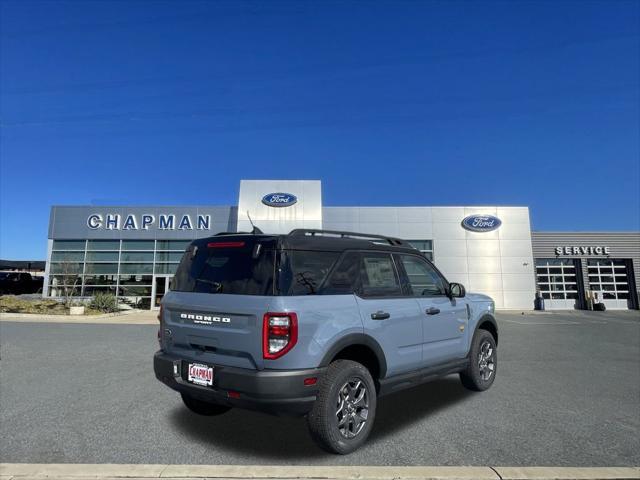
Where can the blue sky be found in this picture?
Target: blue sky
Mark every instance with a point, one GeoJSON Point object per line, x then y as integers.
{"type": "Point", "coordinates": [388, 103]}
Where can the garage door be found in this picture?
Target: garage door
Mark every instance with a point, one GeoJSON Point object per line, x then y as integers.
{"type": "Point", "coordinates": [610, 279]}
{"type": "Point", "coordinates": [557, 282]}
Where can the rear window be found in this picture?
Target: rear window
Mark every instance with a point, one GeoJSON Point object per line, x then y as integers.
{"type": "Point", "coordinates": [240, 267]}
{"type": "Point", "coordinates": [256, 267]}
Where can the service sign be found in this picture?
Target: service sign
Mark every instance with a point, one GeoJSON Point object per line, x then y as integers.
{"type": "Point", "coordinates": [583, 250]}
{"type": "Point", "coordinates": [279, 199]}
{"type": "Point", "coordinates": [481, 223]}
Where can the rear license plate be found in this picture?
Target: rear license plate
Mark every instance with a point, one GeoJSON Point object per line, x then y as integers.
{"type": "Point", "coordinates": [200, 374]}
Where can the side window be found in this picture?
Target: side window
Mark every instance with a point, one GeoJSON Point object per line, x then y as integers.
{"type": "Point", "coordinates": [344, 279]}
{"type": "Point", "coordinates": [304, 271]}
{"type": "Point", "coordinates": [378, 276]}
{"type": "Point", "coordinates": [423, 278]}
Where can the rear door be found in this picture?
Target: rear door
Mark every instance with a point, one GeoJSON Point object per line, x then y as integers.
{"type": "Point", "coordinates": [444, 320]}
{"type": "Point", "coordinates": [393, 321]}
{"type": "Point", "coordinates": [216, 329]}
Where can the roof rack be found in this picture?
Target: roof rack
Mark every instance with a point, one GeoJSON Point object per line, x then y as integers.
{"type": "Point", "coordinates": [396, 242]}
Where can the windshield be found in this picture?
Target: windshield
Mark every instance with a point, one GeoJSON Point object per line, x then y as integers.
{"type": "Point", "coordinates": [6, 275]}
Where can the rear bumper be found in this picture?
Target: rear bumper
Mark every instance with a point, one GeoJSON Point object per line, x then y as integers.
{"type": "Point", "coordinates": [280, 392]}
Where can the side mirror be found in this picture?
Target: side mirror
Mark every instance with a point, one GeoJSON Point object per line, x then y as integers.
{"type": "Point", "coordinates": [456, 290]}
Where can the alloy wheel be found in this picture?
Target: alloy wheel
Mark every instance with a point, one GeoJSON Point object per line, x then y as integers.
{"type": "Point", "coordinates": [486, 360]}
{"type": "Point", "coordinates": [352, 407]}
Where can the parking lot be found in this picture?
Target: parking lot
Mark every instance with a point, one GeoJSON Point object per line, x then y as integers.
{"type": "Point", "coordinates": [567, 393]}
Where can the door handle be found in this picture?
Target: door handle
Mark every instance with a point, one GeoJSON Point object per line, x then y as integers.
{"type": "Point", "coordinates": [432, 311]}
{"type": "Point", "coordinates": [380, 315]}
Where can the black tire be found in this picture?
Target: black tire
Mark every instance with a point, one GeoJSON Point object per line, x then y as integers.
{"type": "Point", "coordinates": [204, 408]}
{"type": "Point", "coordinates": [339, 386]}
{"type": "Point", "coordinates": [481, 372]}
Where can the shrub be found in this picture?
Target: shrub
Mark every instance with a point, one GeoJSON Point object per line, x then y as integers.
{"type": "Point", "coordinates": [104, 302]}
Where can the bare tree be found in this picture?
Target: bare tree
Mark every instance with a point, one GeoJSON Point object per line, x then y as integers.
{"type": "Point", "coordinates": [67, 274]}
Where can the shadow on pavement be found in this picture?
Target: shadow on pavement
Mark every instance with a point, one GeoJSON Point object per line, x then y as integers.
{"type": "Point", "coordinates": [263, 435]}
{"type": "Point", "coordinates": [408, 407]}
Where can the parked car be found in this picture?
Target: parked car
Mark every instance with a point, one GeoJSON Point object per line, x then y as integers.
{"type": "Point", "coordinates": [317, 323]}
{"type": "Point", "coordinates": [18, 283]}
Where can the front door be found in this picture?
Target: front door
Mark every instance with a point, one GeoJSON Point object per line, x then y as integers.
{"type": "Point", "coordinates": [160, 287]}
{"type": "Point", "coordinates": [444, 320]}
{"type": "Point", "coordinates": [393, 321]}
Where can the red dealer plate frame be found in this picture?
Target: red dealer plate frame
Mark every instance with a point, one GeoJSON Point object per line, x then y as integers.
{"type": "Point", "coordinates": [200, 374]}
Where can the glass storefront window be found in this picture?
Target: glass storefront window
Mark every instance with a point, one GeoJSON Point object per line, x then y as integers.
{"type": "Point", "coordinates": [67, 256]}
{"type": "Point", "coordinates": [136, 279]}
{"type": "Point", "coordinates": [125, 268]}
{"type": "Point", "coordinates": [68, 245]}
{"type": "Point", "coordinates": [129, 291]}
{"type": "Point", "coordinates": [169, 256]}
{"type": "Point", "coordinates": [100, 279]}
{"type": "Point", "coordinates": [90, 291]}
{"type": "Point", "coordinates": [166, 268]}
{"type": "Point", "coordinates": [66, 268]}
{"type": "Point", "coordinates": [180, 245]}
{"type": "Point", "coordinates": [102, 256]}
{"type": "Point", "coordinates": [103, 245]}
{"type": "Point", "coordinates": [136, 268]}
{"type": "Point", "coordinates": [138, 244]}
{"type": "Point", "coordinates": [101, 268]}
{"type": "Point", "coordinates": [136, 257]}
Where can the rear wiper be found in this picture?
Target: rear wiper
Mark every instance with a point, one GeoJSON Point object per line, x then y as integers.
{"type": "Point", "coordinates": [217, 286]}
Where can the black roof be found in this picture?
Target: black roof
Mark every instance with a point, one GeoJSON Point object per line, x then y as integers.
{"type": "Point", "coordinates": [323, 240]}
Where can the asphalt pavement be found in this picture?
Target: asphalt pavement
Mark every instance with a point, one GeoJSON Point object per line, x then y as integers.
{"type": "Point", "coordinates": [567, 392]}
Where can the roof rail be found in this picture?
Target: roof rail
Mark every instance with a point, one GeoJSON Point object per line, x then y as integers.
{"type": "Point", "coordinates": [396, 242]}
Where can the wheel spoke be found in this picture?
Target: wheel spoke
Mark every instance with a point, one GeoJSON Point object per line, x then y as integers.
{"type": "Point", "coordinates": [357, 420]}
{"type": "Point", "coordinates": [342, 421]}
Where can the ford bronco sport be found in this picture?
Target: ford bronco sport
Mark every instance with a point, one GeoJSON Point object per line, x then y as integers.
{"type": "Point", "coordinates": [317, 323]}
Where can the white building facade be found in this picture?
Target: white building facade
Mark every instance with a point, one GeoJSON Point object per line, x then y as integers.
{"type": "Point", "coordinates": [133, 252]}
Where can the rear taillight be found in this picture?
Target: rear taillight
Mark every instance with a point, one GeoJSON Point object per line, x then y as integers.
{"type": "Point", "coordinates": [160, 314]}
{"type": "Point", "coordinates": [279, 334]}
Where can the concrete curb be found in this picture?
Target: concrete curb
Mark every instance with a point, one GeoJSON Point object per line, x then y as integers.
{"type": "Point", "coordinates": [18, 471]}
{"type": "Point", "coordinates": [128, 317]}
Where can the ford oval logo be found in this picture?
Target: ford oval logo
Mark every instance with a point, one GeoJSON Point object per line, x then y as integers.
{"type": "Point", "coordinates": [279, 199]}
{"type": "Point", "coordinates": [481, 223]}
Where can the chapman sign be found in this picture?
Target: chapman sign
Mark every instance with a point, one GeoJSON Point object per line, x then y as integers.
{"type": "Point", "coordinates": [147, 221]}
{"type": "Point", "coordinates": [584, 250]}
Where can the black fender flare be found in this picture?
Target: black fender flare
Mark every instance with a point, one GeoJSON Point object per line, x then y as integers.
{"type": "Point", "coordinates": [357, 339]}
{"type": "Point", "coordinates": [484, 319]}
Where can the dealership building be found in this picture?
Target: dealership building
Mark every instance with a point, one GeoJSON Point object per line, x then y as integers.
{"type": "Point", "coordinates": [133, 252]}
